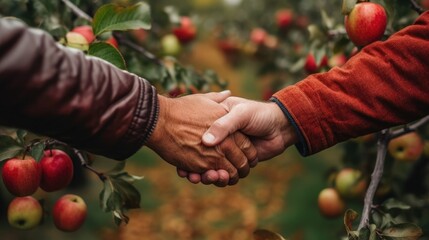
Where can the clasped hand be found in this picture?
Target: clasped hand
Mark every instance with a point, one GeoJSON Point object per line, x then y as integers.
{"type": "Point", "coordinates": [203, 136]}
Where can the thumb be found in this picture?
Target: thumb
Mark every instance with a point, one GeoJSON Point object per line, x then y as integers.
{"type": "Point", "coordinates": [223, 127]}
{"type": "Point", "coordinates": [218, 96]}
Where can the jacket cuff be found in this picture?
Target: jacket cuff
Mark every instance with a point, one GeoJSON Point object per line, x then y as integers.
{"type": "Point", "coordinates": [301, 113]}
{"type": "Point", "coordinates": [302, 145]}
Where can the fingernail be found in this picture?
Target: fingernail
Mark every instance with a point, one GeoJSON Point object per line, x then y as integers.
{"type": "Point", "coordinates": [208, 138]}
{"type": "Point", "coordinates": [226, 92]}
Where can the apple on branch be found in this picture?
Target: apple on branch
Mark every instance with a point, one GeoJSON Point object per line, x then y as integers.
{"type": "Point", "coordinates": [366, 23]}
{"type": "Point", "coordinates": [350, 183]}
{"type": "Point", "coordinates": [330, 203]}
{"type": "Point", "coordinates": [21, 176]}
{"type": "Point", "coordinates": [69, 212]}
{"type": "Point", "coordinates": [186, 31]}
{"type": "Point", "coordinates": [24, 212]}
{"type": "Point", "coordinates": [408, 147]}
{"type": "Point", "coordinates": [57, 170]}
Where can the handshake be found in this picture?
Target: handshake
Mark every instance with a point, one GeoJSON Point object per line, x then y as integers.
{"type": "Point", "coordinates": [215, 139]}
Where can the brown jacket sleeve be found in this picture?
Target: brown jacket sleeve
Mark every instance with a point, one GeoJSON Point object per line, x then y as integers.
{"type": "Point", "coordinates": [386, 84]}
{"type": "Point", "coordinates": [61, 93]}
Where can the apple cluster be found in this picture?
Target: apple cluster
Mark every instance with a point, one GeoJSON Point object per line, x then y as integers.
{"type": "Point", "coordinates": [22, 177]}
{"type": "Point", "coordinates": [181, 34]}
{"type": "Point", "coordinates": [349, 183]}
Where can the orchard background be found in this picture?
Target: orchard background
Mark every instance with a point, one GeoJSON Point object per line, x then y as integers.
{"type": "Point", "coordinates": [243, 46]}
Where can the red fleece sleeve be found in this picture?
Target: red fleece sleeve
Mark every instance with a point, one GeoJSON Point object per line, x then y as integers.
{"type": "Point", "coordinates": [384, 85]}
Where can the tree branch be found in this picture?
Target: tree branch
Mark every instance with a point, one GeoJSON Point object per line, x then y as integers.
{"type": "Point", "coordinates": [77, 10]}
{"type": "Point", "coordinates": [416, 7]}
{"type": "Point", "coordinates": [376, 176]}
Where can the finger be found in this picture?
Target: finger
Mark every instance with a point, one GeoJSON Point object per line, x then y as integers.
{"type": "Point", "coordinates": [247, 147]}
{"type": "Point", "coordinates": [223, 127]}
{"type": "Point", "coordinates": [194, 178]}
{"type": "Point", "coordinates": [235, 156]}
{"type": "Point", "coordinates": [210, 177]}
{"type": "Point", "coordinates": [224, 179]}
{"type": "Point", "coordinates": [182, 173]}
{"type": "Point", "coordinates": [225, 164]}
{"type": "Point", "coordinates": [218, 96]}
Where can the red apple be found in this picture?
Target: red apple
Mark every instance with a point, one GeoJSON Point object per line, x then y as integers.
{"type": "Point", "coordinates": [330, 203]}
{"type": "Point", "coordinates": [76, 40]}
{"type": "Point", "coordinates": [21, 176]}
{"type": "Point", "coordinates": [112, 41]}
{"type": "Point", "coordinates": [311, 66]}
{"type": "Point", "coordinates": [408, 147]}
{"type": "Point", "coordinates": [86, 32]}
{"type": "Point", "coordinates": [366, 23]}
{"type": "Point", "coordinates": [24, 212]}
{"type": "Point", "coordinates": [69, 212]}
{"type": "Point", "coordinates": [186, 31]}
{"type": "Point", "coordinates": [57, 170]}
{"type": "Point", "coordinates": [350, 183]}
{"type": "Point", "coordinates": [258, 36]}
{"type": "Point", "coordinates": [284, 18]}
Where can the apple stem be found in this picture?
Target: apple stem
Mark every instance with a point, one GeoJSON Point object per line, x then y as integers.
{"type": "Point", "coordinates": [415, 6]}
{"type": "Point", "coordinates": [99, 174]}
{"type": "Point", "coordinates": [77, 10]}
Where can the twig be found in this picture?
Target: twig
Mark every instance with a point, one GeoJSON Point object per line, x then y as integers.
{"type": "Point", "coordinates": [416, 7]}
{"type": "Point", "coordinates": [409, 127]}
{"type": "Point", "coordinates": [376, 176]}
{"type": "Point", "coordinates": [77, 10]}
{"type": "Point", "coordinates": [123, 40]}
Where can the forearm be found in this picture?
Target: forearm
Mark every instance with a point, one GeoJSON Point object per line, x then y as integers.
{"type": "Point", "coordinates": [382, 86]}
{"type": "Point", "coordinates": [61, 93]}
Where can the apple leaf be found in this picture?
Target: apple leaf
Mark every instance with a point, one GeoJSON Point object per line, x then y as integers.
{"type": "Point", "coordinates": [36, 150]}
{"type": "Point", "coordinates": [347, 6]}
{"type": "Point", "coordinates": [20, 134]}
{"type": "Point", "coordinates": [107, 52]}
{"type": "Point", "coordinates": [119, 193]}
{"type": "Point", "coordinates": [395, 204]}
{"type": "Point", "coordinates": [9, 147]}
{"type": "Point", "coordinates": [113, 17]}
{"type": "Point", "coordinates": [262, 234]}
{"type": "Point", "coordinates": [403, 231]}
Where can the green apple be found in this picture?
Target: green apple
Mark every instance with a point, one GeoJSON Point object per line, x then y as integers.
{"type": "Point", "coordinates": [350, 183]}
{"type": "Point", "coordinates": [408, 147]}
{"type": "Point", "coordinates": [24, 212]}
{"type": "Point", "coordinates": [170, 45]}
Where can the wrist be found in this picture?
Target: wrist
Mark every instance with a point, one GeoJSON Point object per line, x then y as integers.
{"type": "Point", "coordinates": [156, 136]}
{"type": "Point", "coordinates": [284, 126]}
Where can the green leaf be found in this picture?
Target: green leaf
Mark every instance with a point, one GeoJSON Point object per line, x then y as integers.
{"type": "Point", "coordinates": [403, 231]}
{"type": "Point", "coordinates": [392, 203]}
{"type": "Point", "coordinates": [262, 234]}
{"type": "Point", "coordinates": [347, 6]}
{"type": "Point", "coordinates": [113, 17]}
{"type": "Point", "coordinates": [9, 147]}
{"type": "Point", "coordinates": [37, 151]}
{"type": "Point", "coordinates": [107, 52]}
{"type": "Point", "coordinates": [130, 196]}
{"type": "Point", "coordinates": [21, 136]}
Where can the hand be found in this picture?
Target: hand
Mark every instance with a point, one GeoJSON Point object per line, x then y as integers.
{"type": "Point", "coordinates": [264, 122]}
{"type": "Point", "coordinates": [177, 138]}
